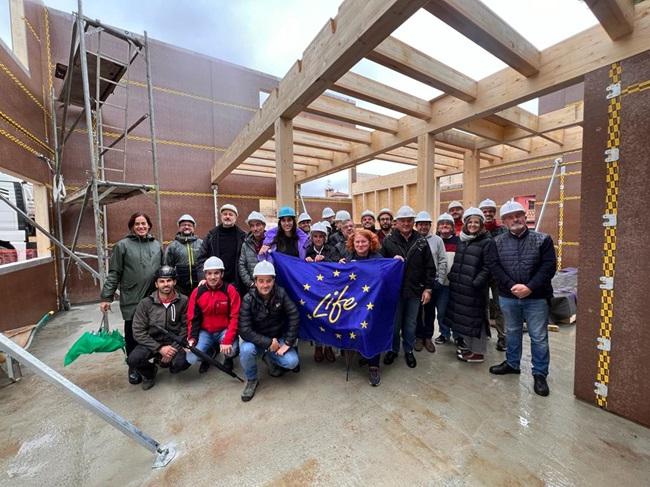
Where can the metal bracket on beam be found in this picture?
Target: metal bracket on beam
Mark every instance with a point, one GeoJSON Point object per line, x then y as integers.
{"type": "Point", "coordinates": [606, 283]}
{"type": "Point", "coordinates": [613, 90]}
{"type": "Point", "coordinates": [604, 344]}
{"type": "Point", "coordinates": [609, 220]}
{"type": "Point", "coordinates": [612, 154]}
{"type": "Point", "coordinates": [601, 389]}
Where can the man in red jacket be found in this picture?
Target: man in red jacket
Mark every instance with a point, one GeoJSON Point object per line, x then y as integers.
{"type": "Point", "coordinates": [212, 316]}
{"type": "Point", "coordinates": [456, 210]}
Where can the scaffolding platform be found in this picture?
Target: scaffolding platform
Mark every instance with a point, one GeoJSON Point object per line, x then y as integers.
{"type": "Point", "coordinates": [108, 192]}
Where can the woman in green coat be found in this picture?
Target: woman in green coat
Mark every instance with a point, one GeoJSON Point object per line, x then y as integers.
{"type": "Point", "coordinates": [134, 261]}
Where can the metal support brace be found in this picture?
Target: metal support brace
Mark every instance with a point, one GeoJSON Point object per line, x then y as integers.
{"type": "Point", "coordinates": [556, 164]}
{"type": "Point", "coordinates": [164, 453]}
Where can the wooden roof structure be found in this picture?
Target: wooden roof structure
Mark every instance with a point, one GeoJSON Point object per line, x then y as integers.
{"type": "Point", "coordinates": [300, 133]}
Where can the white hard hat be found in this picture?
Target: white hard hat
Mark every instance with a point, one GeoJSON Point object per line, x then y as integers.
{"type": "Point", "coordinates": [186, 218]}
{"type": "Point", "coordinates": [318, 227]}
{"type": "Point", "coordinates": [213, 264]}
{"type": "Point", "coordinates": [327, 224]}
{"type": "Point", "coordinates": [510, 207]}
{"type": "Point", "coordinates": [304, 217]}
{"type": "Point", "coordinates": [455, 204]}
{"type": "Point", "coordinates": [386, 211]}
{"type": "Point", "coordinates": [342, 215]}
{"type": "Point", "coordinates": [445, 217]}
{"type": "Point", "coordinates": [368, 213]}
{"type": "Point", "coordinates": [230, 207]}
{"type": "Point", "coordinates": [255, 216]}
{"type": "Point", "coordinates": [327, 212]}
{"type": "Point", "coordinates": [423, 216]}
{"type": "Point", "coordinates": [473, 212]}
{"type": "Point", "coordinates": [264, 268]}
{"type": "Point", "coordinates": [405, 212]}
{"type": "Point", "coordinates": [487, 203]}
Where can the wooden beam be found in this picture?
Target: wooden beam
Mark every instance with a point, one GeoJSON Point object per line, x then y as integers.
{"type": "Point", "coordinates": [254, 161]}
{"type": "Point", "coordinates": [372, 91]}
{"type": "Point", "coordinates": [247, 172]}
{"type": "Point", "coordinates": [270, 156]}
{"type": "Point", "coordinates": [284, 184]}
{"type": "Point", "coordinates": [301, 150]}
{"type": "Point", "coordinates": [407, 60]}
{"type": "Point", "coordinates": [343, 111]}
{"type": "Point", "coordinates": [616, 16]}
{"type": "Point", "coordinates": [520, 118]}
{"type": "Point", "coordinates": [471, 176]}
{"type": "Point", "coordinates": [357, 29]}
{"type": "Point", "coordinates": [476, 21]}
{"type": "Point", "coordinates": [426, 180]}
{"type": "Point", "coordinates": [321, 142]}
{"type": "Point", "coordinates": [338, 131]}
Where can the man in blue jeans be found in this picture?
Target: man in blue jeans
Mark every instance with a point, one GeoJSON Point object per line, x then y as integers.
{"type": "Point", "coordinates": [268, 326]}
{"type": "Point", "coordinates": [445, 230]}
{"type": "Point", "coordinates": [523, 262]}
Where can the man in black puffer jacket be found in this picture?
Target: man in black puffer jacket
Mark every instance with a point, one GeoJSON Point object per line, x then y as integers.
{"type": "Point", "coordinates": [268, 326]}
{"type": "Point", "coordinates": [523, 262]}
{"type": "Point", "coordinates": [417, 286]}
{"type": "Point", "coordinates": [182, 254]}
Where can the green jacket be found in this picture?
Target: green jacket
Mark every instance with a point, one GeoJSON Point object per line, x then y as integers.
{"type": "Point", "coordinates": [134, 261]}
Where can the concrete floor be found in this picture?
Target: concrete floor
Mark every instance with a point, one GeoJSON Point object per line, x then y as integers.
{"type": "Point", "coordinates": [444, 423]}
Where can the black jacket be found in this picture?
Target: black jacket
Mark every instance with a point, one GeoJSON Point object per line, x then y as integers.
{"type": "Point", "coordinates": [328, 251]}
{"type": "Point", "coordinates": [420, 270]}
{"type": "Point", "coordinates": [468, 288]}
{"type": "Point", "coordinates": [181, 253]}
{"type": "Point", "coordinates": [172, 318]}
{"type": "Point", "coordinates": [210, 248]}
{"type": "Point", "coordinates": [526, 259]}
{"type": "Point", "coordinates": [260, 321]}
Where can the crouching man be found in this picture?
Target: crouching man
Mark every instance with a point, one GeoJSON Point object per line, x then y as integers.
{"type": "Point", "coordinates": [268, 326]}
{"type": "Point", "coordinates": [167, 309]}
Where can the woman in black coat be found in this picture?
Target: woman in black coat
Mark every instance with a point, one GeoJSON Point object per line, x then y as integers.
{"type": "Point", "coordinates": [467, 311]}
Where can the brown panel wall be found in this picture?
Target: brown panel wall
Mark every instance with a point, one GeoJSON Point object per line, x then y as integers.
{"type": "Point", "coordinates": [629, 387]}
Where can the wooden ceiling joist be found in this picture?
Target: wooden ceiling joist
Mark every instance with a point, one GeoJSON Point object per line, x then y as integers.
{"type": "Point", "coordinates": [476, 21]}
{"type": "Point", "coordinates": [407, 60]}
{"type": "Point", "coordinates": [270, 156]}
{"type": "Point", "coordinates": [254, 161]}
{"type": "Point", "coordinates": [616, 16]}
{"type": "Point", "coordinates": [343, 111]}
{"type": "Point", "coordinates": [338, 131]}
{"type": "Point", "coordinates": [301, 150]}
{"type": "Point", "coordinates": [321, 142]}
{"type": "Point", "coordinates": [357, 29]}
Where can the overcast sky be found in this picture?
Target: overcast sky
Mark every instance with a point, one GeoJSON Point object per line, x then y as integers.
{"type": "Point", "coordinates": [269, 35]}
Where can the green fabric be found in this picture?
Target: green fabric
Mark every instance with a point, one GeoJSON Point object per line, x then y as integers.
{"type": "Point", "coordinates": [95, 342]}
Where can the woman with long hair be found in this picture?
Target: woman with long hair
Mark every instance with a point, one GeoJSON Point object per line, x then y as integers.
{"type": "Point", "coordinates": [286, 238]}
{"type": "Point", "coordinates": [134, 262]}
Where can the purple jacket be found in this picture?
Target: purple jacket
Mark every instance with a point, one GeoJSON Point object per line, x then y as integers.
{"type": "Point", "coordinates": [303, 243]}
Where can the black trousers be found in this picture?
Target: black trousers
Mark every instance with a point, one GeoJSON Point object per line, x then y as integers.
{"type": "Point", "coordinates": [128, 337]}
{"type": "Point", "coordinates": [140, 360]}
{"type": "Point", "coordinates": [426, 318]}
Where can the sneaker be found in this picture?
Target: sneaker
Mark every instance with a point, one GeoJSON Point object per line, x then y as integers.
{"type": "Point", "coordinates": [501, 344]}
{"type": "Point", "coordinates": [428, 344]}
{"type": "Point", "coordinates": [318, 354]}
{"type": "Point", "coordinates": [504, 368]}
{"type": "Point", "coordinates": [228, 363]}
{"type": "Point", "coordinates": [149, 383]}
{"type": "Point", "coordinates": [249, 390]}
{"type": "Point", "coordinates": [472, 357]}
{"type": "Point", "coordinates": [390, 357]}
{"type": "Point", "coordinates": [441, 340]}
{"type": "Point", "coordinates": [410, 360]}
{"type": "Point", "coordinates": [419, 344]}
{"type": "Point", "coordinates": [205, 365]}
{"type": "Point", "coordinates": [134, 376]}
{"type": "Point", "coordinates": [274, 369]}
{"type": "Point", "coordinates": [373, 376]}
{"type": "Point", "coordinates": [541, 386]}
{"type": "Point", "coordinates": [329, 354]}
{"type": "Point", "coordinates": [460, 343]}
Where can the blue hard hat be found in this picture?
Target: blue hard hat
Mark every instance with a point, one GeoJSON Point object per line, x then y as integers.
{"type": "Point", "coordinates": [286, 211]}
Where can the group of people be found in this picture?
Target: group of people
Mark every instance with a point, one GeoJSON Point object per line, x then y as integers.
{"type": "Point", "coordinates": [220, 295]}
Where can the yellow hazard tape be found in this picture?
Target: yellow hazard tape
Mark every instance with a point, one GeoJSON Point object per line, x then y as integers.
{"type": "Point", "coordinates": [19, 142]}
{"type": "Point", "coordinates": [522, 171]}
{"type": "Point", "coordinates": [16, 125]}
{"type": "Point", "coordinates": [176, 143]}
{"type": "Point", "coordinates": [526, 180]}
{"type": "Point", "coordinates": [20, 85]}
{"type": "Point", "coordinates": [636, 88]}
{"type": "Point", "coordinates": [31, 28]}
{"type": "Point", "coordinates": [523, 163]}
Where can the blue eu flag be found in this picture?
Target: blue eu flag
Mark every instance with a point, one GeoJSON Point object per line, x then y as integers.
{"type": "Point", "coordinates": [349, 306]}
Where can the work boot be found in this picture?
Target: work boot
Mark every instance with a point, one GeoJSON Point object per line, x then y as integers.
{"type": "Point", "coordinates": [148, 383]}
{"type": "Point", "coordinates": [501, 344]}
{"type": "Point", "coordinates": [134, 376]}
{"type": "Point", "coordinates": [318, 354]}
{"type": "Point", "coordinates": [249, 390]}
{"type": "Point", "coordinates": [228, 363]}
{"type": "Point", "coordinates": [541, 386]}
{"type": "Point", "coordinates": [441, 340]}
{"type": "Point", "coordinates": [373, 376]}
{"type": "Point", "coordinates": [504, 368]}
{"type": "Point", "coordinates": [410, 360]}
{"type": "Point", "coordinates": [205, 365]}
{"type": "Point", "coordinates": [274, 369]}
{"type": "Point", "coordinates": [428, 344]}
{"type": "Point", "coordinates": [390, 357]}
{"type": "Point", "coordinates": [419, 344]}
{"type": "Point", "coordinates": [329, 354]}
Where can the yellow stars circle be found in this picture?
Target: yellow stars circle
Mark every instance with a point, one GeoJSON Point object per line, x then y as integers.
{"type": "Point", "coordinates": [306, 287]}
{"type": "Point", "coordinates": [366, 288]}
{"type": "Point", "coordinates": [320, 277]}
{"type": "Point", "coordinates": [353, 335]}
{"type": "Point", "coordinates": [336, 273]}
{"type": "Point", "coordinates": [338, 335]}
{"type": "Point", "coordinates": [370, 306]}
{"type": "Point", "coordinates": [302, 302]}
{"type": "Point", "coordinates": [353, 276]}
{"type": "Point", "coordinates": [322, 329]}
{"type": "Point", "coordinates": [364, 324]}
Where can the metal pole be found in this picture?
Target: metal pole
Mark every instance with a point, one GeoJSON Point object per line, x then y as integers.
{"type": "Point", "coordinates": [99, 237]}
{"type": "Point", "coordinates": [215, 194]}
{"type": "Point", "coordinates": [50, 236]}
{"type": "Point", "coordinates": [556, 164]}
{"type": "Point", "coordinates": [75, 237]}
{"type": "Point", "coordinates": [152, 125]}
{"type": "Point", "coordinates": [88, 401]}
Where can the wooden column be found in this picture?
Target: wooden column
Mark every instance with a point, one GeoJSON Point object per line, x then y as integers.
{"type": "Point", "coordinates": [471, 173]}
{"type": "Point", "coordinates": [436, 199]}
{"type": "Point", "coordinates": [284, 182]}
{"type": "Point", "coordinates": [426, 187]}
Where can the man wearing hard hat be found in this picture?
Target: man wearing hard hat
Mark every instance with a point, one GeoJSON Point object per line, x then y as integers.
{"type": "Point", "coordinates": [182, 254]}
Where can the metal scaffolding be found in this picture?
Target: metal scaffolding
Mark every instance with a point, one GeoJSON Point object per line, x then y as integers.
{"type": "Point", "coordinates": [91, 77]}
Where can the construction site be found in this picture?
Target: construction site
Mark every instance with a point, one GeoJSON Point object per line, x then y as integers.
{"type": "Point", "coordinates": [97, 122]}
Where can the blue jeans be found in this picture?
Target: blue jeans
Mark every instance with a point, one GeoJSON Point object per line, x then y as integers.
{"type": "Point", "coordinates": [249, 353]}
{"type": "Point", "coordinates": [442, 299]}
{"type": "Point", "coordinates": [209, 340]}
{"type": "Point", "coordinates": [535, 313]}
{"type": "Point", "coordinates": [406, 320]}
